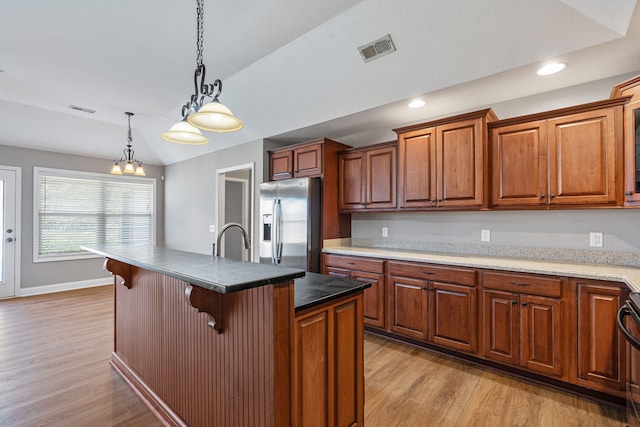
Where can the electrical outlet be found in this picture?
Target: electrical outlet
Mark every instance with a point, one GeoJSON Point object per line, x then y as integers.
{"type": "Point", "coordinates": [595, 239]}
{"type": "Point", "coordinates": [385, 231]}
{"type": "Point", "coordinates": [485, 235]}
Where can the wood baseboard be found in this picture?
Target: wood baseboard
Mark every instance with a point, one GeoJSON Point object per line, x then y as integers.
{"type": "Point", "coordinates": [159, 408]}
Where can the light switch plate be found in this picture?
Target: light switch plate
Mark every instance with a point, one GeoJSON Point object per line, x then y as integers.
{"type": "Point", "coordinates": [212, 228]}
{"type": "Point", "coordinates": [485, 235]}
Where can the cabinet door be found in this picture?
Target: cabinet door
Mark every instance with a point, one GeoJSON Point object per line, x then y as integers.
{"type": "Point", "coordinates": [281, 165]}
{"type": "Point", "coordinates": [582, 158]}
{"type": "Point", "coordinates": [460, 163]}
{"type": "Point", "coordinates": [351, 192]}
{"type": "Point", "coordinates": [542, 339]}
{"type": "Point", "coordinates": [453, 316]}
{"type": "Point", "coordinates": [632, 153]}
{"type": "Point", "coordinates": [373, 305]}
{"type": "Point", "coordinates": [417, 169]}
{"type": "Point", "coordinates": [408, 307]}
{"type": "Point", "coordinates": [312, 365]}
{"type": "Point", "coordinates": [501, 327]}
{"type": "Point", "coordinates": [519, 164]}
{"type": "Point", "coordinates": [381, 178]}
{"type": "Point", "coordinates": [601, 356]}
{"type": "Point", "coordinates": [307, 161]}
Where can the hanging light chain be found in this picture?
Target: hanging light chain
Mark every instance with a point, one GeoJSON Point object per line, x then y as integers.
{"type": "Point", "coordinates": [201, 89]}
{"type": "Point", "coordinates": [200, 24]}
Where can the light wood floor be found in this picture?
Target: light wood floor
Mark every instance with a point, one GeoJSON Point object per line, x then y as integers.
{"type": "Point", "coordinates": [54, 371]}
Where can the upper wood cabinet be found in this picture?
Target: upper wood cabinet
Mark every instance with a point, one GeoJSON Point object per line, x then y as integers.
{"type": "Point", "coordinates": [368, 178]}
{"type": "Point", "coordinates": [442, 163]}
{"type": "Point", "coordinates": [571, 156]}
{"type": "Point", "coordinates": [281, 165]}
{"type": "Point", "coordinates": [631, 126]}
{"type": "Point", "coordinates": [304, 159]}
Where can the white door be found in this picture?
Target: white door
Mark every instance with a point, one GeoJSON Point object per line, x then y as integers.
{"type": "Point", "coordinates": [8, 211]}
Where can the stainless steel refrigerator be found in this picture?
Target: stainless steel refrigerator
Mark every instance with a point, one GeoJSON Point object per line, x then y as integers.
{"type": "Point", "coordinates": [290, 223]}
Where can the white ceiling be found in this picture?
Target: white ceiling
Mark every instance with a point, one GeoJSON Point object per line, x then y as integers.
{"type": "Point", "coordinates": [290, 68]}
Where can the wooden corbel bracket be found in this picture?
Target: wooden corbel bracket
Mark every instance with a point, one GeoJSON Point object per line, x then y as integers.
{"type": "Point", "coordinates": [120, 269]}
{"type": "Point", "coordinates": [206, 301]}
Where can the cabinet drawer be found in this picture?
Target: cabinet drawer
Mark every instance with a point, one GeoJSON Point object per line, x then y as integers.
{"type": "Point", "coordinates": [353, 263]}
{"type": "Point", "coordinates": [461, 276]}
{"type": "Point", "coordinates": [523, 283]}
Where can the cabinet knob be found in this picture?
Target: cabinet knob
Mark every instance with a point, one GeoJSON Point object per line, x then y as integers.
{"type": "Point", "coordinates": [514, 302]}
{"type": "Point", "coordinates": [524, 303]}
{"type": "Point", "coordinates": [627, 193]}
{"type": "Point", "coordinates": [553, 195]}
{"type": "Point", "coordinates": [542, 196]}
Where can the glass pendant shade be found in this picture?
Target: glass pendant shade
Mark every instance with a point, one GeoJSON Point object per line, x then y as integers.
{"type": "Point", "coordinates": [216, 117]}
{"type": "Point", "coordinates": [116, 169]}
{"type": "Point", "coordinates": [184, 133]}
{"type": "Point", "coordinates": [139, 171]}
{"type": "Point", "coordinates": [129, 168]}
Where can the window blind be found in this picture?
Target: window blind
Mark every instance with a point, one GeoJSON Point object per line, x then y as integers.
{"type": "Point", "coordinates": [75, 209]}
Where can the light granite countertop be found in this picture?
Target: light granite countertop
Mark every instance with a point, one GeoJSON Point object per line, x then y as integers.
{"type": "Point", "coordinates": [628, 275]}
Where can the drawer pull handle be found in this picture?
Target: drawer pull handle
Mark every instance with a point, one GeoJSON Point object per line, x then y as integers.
{"type": "Point", "coordinates": [428, 272]}
{"type": "Point", "coordinates": [350, 262]}
{"type": "Point", "coordinates": [520, 283]}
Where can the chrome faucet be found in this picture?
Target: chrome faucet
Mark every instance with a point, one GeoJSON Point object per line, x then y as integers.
{"type": "Point", "coordinates": [216, 245]}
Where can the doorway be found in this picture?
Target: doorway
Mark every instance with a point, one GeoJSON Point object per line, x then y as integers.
{"type": "Point", "coordinates": [235, 204]}
{"type": "Point", "coordinates": [9, 224]}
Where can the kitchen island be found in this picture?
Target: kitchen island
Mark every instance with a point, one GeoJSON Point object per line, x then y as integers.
{"type": "Point", "coordinates": [208, 341]}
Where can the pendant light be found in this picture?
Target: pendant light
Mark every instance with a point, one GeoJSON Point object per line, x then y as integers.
{"type": "Point", "coordinates": [212, 116]}
{"type": "Point", "coordinates": [128, 157]}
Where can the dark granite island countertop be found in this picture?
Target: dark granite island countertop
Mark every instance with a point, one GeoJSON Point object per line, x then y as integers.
{"type": "Point", "coordinates": [314, 289]}
{"type": "Point", "coordinates": [213, 273]}
{"type": "Point", "coordinates": [226, 275]}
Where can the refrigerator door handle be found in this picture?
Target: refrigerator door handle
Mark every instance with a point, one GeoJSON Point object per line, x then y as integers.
{"type": "Point", "coordinates": [278, 221]}
{"type": "Point", "coordinates": [274, 232]}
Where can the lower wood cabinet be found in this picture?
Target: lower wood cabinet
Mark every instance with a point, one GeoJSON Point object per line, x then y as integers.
{"type": "Point", "coordinates": [555, 327]}
{"type": "Point", "coordinates": [524, 323]}
{"type": "Point", "coordinates": [408, 307]}
{"type": "Point", "coordinates": [601, 356]}
{"type": "Point", "coordinates": [433, 303]}
{"type": "Point", "coordinates": [328, 362]}
{"type": "Point", "coordinates": [453, 316]}
{"type": "Point", "coordinates": [367, 270]}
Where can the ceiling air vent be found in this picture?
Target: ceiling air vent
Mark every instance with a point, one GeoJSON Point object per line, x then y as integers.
{"type": "Point", "coordinates": [377, 48]}
{"type": "Point", "coordinates": [84, 110]}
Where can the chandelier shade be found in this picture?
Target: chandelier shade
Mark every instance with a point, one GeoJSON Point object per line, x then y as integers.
{"type": "Point", "coordinates": [212, 116]}
{"type": "Point", "coordinates": [129, 158]}
{"type": "Point", "coordinates": [185, 133]}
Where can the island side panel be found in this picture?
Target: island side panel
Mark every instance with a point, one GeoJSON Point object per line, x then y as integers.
{"type": "Point", "coordinates": [239, 377]}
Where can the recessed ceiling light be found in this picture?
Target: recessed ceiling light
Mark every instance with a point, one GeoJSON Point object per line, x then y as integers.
{"type": "Point", "coordinates": [551, 68]}
{"type": "Point", "coordinates": [417, 103]}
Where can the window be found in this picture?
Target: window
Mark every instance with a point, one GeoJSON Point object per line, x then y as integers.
{"type": "Point", "coordinates": [72, 209]}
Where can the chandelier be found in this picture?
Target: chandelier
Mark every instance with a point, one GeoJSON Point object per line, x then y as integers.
{"type": "Point", "coordinates": [128, 157]}
{"type": "Point", "coordinates": [212, 116]}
